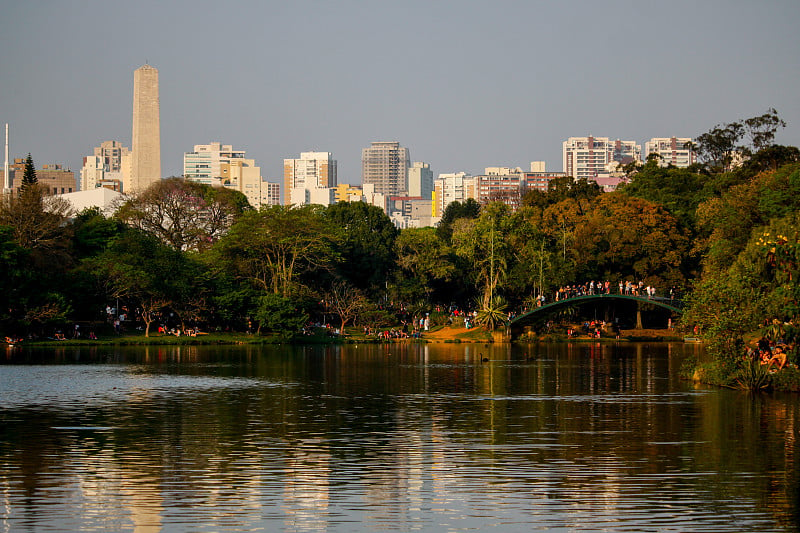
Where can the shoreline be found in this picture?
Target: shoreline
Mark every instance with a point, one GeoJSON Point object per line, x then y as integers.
{"type": "Point", "coordinates": [437, 335]}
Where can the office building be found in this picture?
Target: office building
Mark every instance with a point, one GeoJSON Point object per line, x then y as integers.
{"type": "Point", "coordinates": [146, 139]}
{"type": "Point", "coordinates": [675, 151]}
{"type": "Point", "coordinates": [385, 165]}
{"type": "Point", "coordinates": [205, 163]}
{"type": "Point", "coordinates": [54, 178]}
{"type": "Point", "coordinates": [311, 170]}
{"type": "Point", "coordinates": [586, 157]}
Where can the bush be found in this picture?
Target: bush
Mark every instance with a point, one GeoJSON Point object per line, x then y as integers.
{"type": "Point", "coordinates": [787, 379]}
{"type": "Point", "coordinates": [281, 315]}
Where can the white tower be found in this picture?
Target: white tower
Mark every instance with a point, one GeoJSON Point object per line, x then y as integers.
{"type": "Point", "coordinates": [6, 179]}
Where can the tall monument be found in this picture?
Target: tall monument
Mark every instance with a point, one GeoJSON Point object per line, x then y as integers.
{"type": "Point", "coordinates": [146, 141]}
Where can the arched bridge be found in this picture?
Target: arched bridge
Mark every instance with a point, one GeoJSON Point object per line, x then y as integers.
{"type": "Point", "coordinates": [676, 306]}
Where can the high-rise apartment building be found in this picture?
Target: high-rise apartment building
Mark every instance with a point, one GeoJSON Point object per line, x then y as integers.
{"type": "Point", "coordinates": [453, 187]}
{"type": "Point", "coordinates": [205, 163]}
{"type": "Point", "coordinates": [385, 165]}
{"type": "Point", "coordinates": [244, 176]}
{"type": "Point", "coordinates": [109, 167]}
{"type": "Point", "coordinates": [586, 157]}
{"type": "Point", "coordinates": [312, 170]}
{"type": "Point", "coordinates": [673, 151]}
{"type": "Point", "coordinates": [146, 140]}
{"type": "Point", "coordinates": [271, 193]}
{"type": "Point", "coordinates": [420, 180]}
{"type": "Point", "coordinates": [501, 184]}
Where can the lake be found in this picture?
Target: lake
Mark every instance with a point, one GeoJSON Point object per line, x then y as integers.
{"type": "Point", "coordinates": [396, 437]}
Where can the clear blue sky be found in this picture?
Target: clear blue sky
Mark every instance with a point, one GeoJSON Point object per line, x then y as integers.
{"type": "Point", "coordinates": [463, 84]}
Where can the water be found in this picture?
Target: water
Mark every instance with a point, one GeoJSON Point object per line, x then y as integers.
{"type": "Point", "coordinates": [560, 437]}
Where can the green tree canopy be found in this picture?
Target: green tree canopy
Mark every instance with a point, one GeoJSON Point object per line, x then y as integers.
{"type": "Point", "coordinates": [456, 210]}
{"type": "Point", "coordinates": [279, 247]}
{"type": "Point", "coordinates": [366, 246]}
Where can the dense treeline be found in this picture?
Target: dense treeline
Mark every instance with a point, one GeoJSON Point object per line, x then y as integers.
{"type": "Point", "coordinates": [190, 254]}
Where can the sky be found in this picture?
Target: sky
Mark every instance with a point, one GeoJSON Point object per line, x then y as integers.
{"type": "Point", "coordinates": [463, 85]}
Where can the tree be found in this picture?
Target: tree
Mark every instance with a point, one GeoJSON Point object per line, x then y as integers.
{"type": "Point", "coordinates": [623, 237]}
{"type": "Point", "coordinates": [718, 147]}
{"type": "Point", "coordinates": [38, 221]}
{"type": "Point", "coordinates": [581, 191]}
{"type": "Point", "coordinates": [274, 248]}
{"type": "Point", "coordinates": [483, 245]}
{"type": "Point", "coordinates": [184, 214]}
{"type": "Point", "coordinates": [346, 301]}
{"type": "Point", "coordinates": [280, 315]}
{"type": "Point", "coordinates": [138, 268]}
{"type": "Point", "coordinates": [426, 264]}
{"type": "Point", "coordinates": [456, 210]}
{"type": "Point", "coordinates": [28, 175]}
{"type": "Point", "coordinates": [761, 130]}
{"type": "Point", "coordinates": [726, 222]}
{"type": "Point", "coordinates": [679, 190]}
{"type": "Point", "coordinates": [366, 246]}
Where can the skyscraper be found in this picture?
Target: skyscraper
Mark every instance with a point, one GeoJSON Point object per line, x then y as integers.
{"type": "Point", "coordinates": [385, 165]}
{"type": "Point", "coordinates": [146, 141]}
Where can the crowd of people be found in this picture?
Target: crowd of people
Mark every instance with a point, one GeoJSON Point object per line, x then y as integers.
{"type": "Point", "coordinates": [769, 353]}
{"type": "Point", "coordinates": [627, 288]}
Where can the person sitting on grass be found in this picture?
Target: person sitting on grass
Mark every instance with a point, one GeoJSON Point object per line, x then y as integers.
{"type": "Point", "coordinates": [778, 358]}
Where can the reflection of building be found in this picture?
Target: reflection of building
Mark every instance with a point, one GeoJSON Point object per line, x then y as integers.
{"type": "Point", "coordinates": [673, 151]}
{"type": "Point", "coordinates": [312, 170]}
{"type": "Point", "coordinates": [586, 157]}
{"type": "Point", "coordinates": [385, 165]}
{"type": "Point", "coordinates": [146, 140]}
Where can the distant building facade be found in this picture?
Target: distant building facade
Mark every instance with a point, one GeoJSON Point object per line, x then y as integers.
{"type": "Point", "coordinates": [675, 151]}
{"type": "Point", "coordinates": [420, 180]}
{"type": "Point", "coordinates": [272, 192]}
{"type": "Point", "coordinates": [452, 187]}
{"type": "Point", "coordinates": [540, 181]}
{"type": "Point", "coordinates": [385, 165]}
{"type": "Point", "coordinates": [587, 157]}
{"type": "Point", "coordinates": [501, 184]}
{"type": "Point", "coordinates": [311, 170]}
{"type": "Point", "coordinates": [204, 164]}
{"type": "Point", "coordinates": [109, 167]}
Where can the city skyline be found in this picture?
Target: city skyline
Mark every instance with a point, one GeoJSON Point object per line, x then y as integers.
{"type": "Point", "coordinates": [463, 86]}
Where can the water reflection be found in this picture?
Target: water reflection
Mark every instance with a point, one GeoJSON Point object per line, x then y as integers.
{"type": "Point", "coordinates": [397, 437]}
